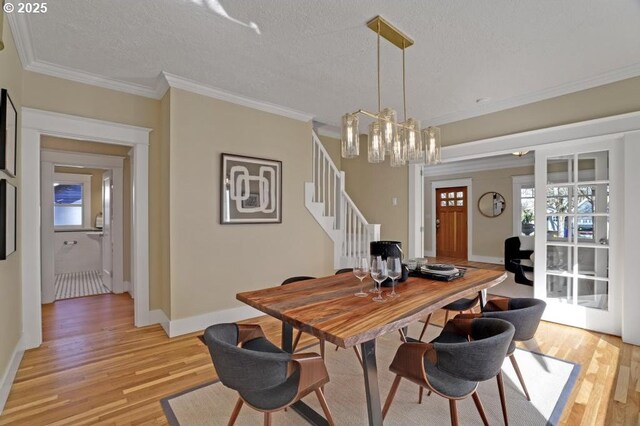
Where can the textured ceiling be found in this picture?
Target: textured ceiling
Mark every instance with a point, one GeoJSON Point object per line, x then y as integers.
{"type": "Point", "coordinates": [318, 56]}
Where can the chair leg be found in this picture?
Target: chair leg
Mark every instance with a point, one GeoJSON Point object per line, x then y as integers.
{"type": "Point", "coordinates": [420, 395]}
{"type": "Point", "coordinates": [446, 317]}
{"type": "Point", "coordinates": [267, 419]}
{"type": "Point", "coordinates": [235, 412]}
{"type": "Point", "coordinates": [454, 412]}
{"type": "Point", "coordinates": [426, 324]}
{"type": "Point", "coordinates": [392, 394]}
{"type": "Point", "coordinates": [517, 368]}
{"type": "Point", "coordinates": [476, 400]}
{"type": "Point", "coordinates": [355, 349]}
{"type": "Point", "coordinates": [325, 407]}
{"type": "Point", "coordinates": [296, 340]}
{"type": "Point", "coordinates": [503, 401]}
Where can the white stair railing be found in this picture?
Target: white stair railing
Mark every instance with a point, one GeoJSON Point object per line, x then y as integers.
{"type": "Point", "coordinates": [336, 211]}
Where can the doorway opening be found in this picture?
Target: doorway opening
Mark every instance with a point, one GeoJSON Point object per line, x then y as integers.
{"type": "Point", "coordinates": [37, 123]}
{"type": "Point", "coordinates": [86, 218]}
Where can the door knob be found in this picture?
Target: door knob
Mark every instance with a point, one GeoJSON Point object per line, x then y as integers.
{"type": "Point", "coordinates": [437, 223]}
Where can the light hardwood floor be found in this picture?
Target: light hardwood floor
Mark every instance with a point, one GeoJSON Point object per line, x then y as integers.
{"type": "Point", "coordinates": [94, 367]}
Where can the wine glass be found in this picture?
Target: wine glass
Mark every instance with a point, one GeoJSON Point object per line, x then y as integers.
{"type": "Point", "coordinates": [394, 268]}
{"type": "Point", "coordinates": [379, 273]}
{"type": "Point", "coordinates": [375, 288]}
{"type": "Point", "coordinates": [361, 270]}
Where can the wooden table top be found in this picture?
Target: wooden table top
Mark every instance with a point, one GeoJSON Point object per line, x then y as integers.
{"type": "Point", "coordinates": [327, 308]}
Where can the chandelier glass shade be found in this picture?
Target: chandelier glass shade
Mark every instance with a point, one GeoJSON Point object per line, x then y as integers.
{"type": "Point", "coordinates": [402, 141]}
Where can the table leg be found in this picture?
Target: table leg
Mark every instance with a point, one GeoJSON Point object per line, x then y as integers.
{"type": "Point", "coordinates": [287, 337]}
{"type": "Point", "coordinates": [483, 297]}
{"type": "Point", "coordinates": [368, 350]}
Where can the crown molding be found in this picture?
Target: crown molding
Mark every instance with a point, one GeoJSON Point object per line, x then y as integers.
{"type": "Point", "coordinates": [516, 101]}
{"type": "Point", "coordinates": [328, 130]}
{"type": "Point", "coordinates": [478, 165]}
{"type": "Point", "coordinates": [181, 83]}
{"type": "Point", "coordinates": [21, 37]}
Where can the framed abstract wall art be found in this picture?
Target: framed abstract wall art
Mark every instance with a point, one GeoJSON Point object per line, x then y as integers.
{"type": "Point", "coordinates": [8, 134]}
{"type": "Point", "coordinates": [251, 190]}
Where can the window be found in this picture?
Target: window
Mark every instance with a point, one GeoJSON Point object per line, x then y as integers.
{"type": "Point", "coordinates": [524, 195]}
{"type": "Point", "coordinates": [71, 201]}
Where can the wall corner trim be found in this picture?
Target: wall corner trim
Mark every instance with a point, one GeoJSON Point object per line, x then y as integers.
{"type": "Point", "coordinates": [10, 372]}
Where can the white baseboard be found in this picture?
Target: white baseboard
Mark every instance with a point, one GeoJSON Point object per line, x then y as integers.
{"type": "Point", "coordinates": [157, 316]}
{"type": "Point", "coordinates": [182, 326]}
{"type": "Point", "coordinates": [487, 259]}
{"type": "Point", "coordinates": [10, 373]}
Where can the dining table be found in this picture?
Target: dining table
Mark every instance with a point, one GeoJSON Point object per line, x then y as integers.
{"type": "Point", "coordinates": [327, 309]}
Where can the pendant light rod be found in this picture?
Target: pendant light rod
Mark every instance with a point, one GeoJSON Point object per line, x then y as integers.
{"type": "Point", "coordinates": [379, 101]}
{"type": "Point", "coordinates": [404, 84]}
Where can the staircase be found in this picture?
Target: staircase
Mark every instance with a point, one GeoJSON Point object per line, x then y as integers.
{"type": "Point", "coordinates": [328, 202]}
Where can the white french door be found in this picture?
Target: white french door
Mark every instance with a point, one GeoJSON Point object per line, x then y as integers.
{"type": "Point", "coordinates": [578, 214]}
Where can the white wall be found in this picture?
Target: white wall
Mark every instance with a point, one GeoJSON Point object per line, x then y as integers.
{"type": "Point", "coordinates": [86, 255]}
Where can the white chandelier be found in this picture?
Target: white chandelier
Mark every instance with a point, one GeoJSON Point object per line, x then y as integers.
{"type": "Point", "coordinates": [403, 142]}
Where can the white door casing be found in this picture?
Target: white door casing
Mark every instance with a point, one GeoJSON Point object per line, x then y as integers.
{"type": "Point", "coordinates": [107, 221]}
{"type": "Point", "coordinates": [36, 123]}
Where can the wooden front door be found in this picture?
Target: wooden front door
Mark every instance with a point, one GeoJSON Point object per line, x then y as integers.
{"type": "Point", "coordinates": [451, 222]}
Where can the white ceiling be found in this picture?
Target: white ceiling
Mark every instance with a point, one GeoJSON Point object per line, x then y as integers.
{"type": "Point", "coordinates": [318, 57]}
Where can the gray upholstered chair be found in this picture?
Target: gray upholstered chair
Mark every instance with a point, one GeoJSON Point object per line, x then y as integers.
{"type": "Point", "coordinates": [525, 315]}
{"type": "Point", "coordinates": [451, 365]}
{"type": "Point", "coordinates": [296, 340]}
{"type": "Point", "coordinates": [265, 377]}
{"type": "Point", "coordinates": [459, 305]}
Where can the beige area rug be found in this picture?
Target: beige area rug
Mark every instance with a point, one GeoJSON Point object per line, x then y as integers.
{"type": "Point", "coordinates": [548, 379]}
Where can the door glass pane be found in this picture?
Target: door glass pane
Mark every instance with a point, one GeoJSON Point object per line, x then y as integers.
{"type": "Point", "coordinates": [443, 195]}
{"type": "Point", "coordinates": [559, 258]}
{"type": "Point", "coordinates": [593, 229]}
{"type": "Point", "coordinates": [460, 194]}
{"type": "Point", "coordinates": [443, 203]}
{"type": "Point", "coordinates": [459, 203]}
{"type": "Point", "coordinates": [593, 166]}
{"type": "Point", "coordinates": [593, 294]}
{"type": "Point", "coordinates": [452, 203]}
{"type": "Point", "coordinates": [560, 288]}
{"type": "Point", "coordinates": [67, 216]}
{"type": "Point", "coordinates": [593, 199]}
{"type": "Point", "coordinates": [560, 169]}
{"type": "Point", "coordinates": [593, 261]}
{"type": "Point", "coordinates": [452, 195]}
{"type": "Point", "coordinates": [559, 199]}
{"type": "Point", "coordinates": [560, 228]}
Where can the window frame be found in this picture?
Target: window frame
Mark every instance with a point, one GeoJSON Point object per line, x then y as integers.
{"type": "Point", "coordinates": [518, 183]}
{"type": "Point", "coordinates": [74, 179]}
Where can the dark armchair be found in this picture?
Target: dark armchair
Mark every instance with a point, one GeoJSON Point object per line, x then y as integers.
{"type": "Point", "coordinates": [265, 377]}
{"type": "Point", "coordinates": [451, 365]}
{"type": "Point", "coordinates": [517, 259]}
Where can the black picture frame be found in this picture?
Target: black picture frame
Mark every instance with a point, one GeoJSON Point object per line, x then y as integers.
{"type": "Point", "coordinates": [8, 219]}
{"type": "Point", "coordinates": [8, 134]}
{"type": "Point", "coordinates": [250, 190]}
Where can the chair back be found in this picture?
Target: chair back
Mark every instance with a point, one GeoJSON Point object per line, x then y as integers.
{"type": "Point", "coordinates": [241, 369]}
{"type": "Point", "coordinates": [524, 313]}
{"type": "Point", "coordinates": [296, 279]}
{"type": "Point", "coordinates": [481, 358]}
{"type": "Point", "coordinates": [343, 270]}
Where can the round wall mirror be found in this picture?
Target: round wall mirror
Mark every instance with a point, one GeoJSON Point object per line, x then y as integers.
{"type": "Point", "coordinates": [491, 204]}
